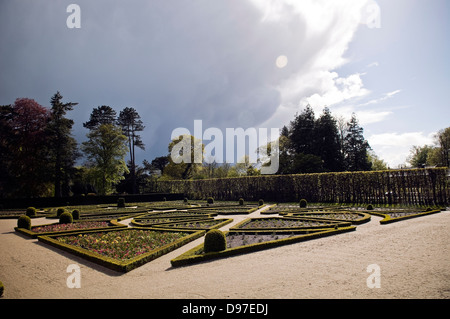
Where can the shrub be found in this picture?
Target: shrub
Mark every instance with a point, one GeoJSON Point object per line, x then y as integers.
{"type": "Point", "coordinates": [66, 218]}
{"type": "Point", "coordinates": [2, 289]}
{"type": "Point", "coordinates": [260, 202]}
{"type": "Point", "coordinates": [121, 202]}
{"type": "Point", "coordinates": [60, 211]}
{"type": "Point", "coordinates": [31, 212]}
{"type": "Point", "coordinates": [369, 207]}
{"type": "Point", "coordinates": [186, 201]}
{"type": "Point", "coordinates": [241, 201]}
{"type": "Point", "coordinates": [303, 203]}
{"type": "Point", "coordinates": [215, 241]}
{"type": "Point", "coordinates": [210, 200]}
{"type": "Point", "coordinates": [24, 222]}
{"type": "Point", "coordinates": [429, 209]}
{"type": "Point", "coordinates": [76, 214]}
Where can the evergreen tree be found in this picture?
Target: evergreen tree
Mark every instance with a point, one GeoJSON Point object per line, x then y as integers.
{"type": "Point", "coordinates": [130, 122]}
{"type": "Point", "coordinates": [101, 115]}
{"type": "Point", "coordinates": [302, 139]}
{"type": "Point", "coordinates": [356, 147]}
{"type": "Point", "coordinates": [328, 142]}
{"type": "Point", "coordinates": [63, 147]}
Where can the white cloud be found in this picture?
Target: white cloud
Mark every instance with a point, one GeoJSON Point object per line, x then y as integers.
{"type": "Point", "coordinates": [394, 147]}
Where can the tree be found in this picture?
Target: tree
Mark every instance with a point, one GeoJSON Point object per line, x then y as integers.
{"type": "Point", "coordinates": [130, 122]}
{"type": "Point", "coordinates": [301, 131]}
{"type": "Point", "coordinates": [419, 156]}
{"type": "Point", "coordinates": [328, 142]}
{"type": "Point", "coordinates": [105, 149]}
{"type": "Point", "coordinates": [101, 115]}
{"type": "Point", "coordinates": [62, 146]}
{"type": "Point", "coordinates": [377, 163]}
{"type": "Point", "coordinates": [443, 140]}
{"type": "Point", "coordinates": [356, 147]}
{"type": "Point", "coordinates": [24, 161]}
{"type": "Point", "coordinates": [186, 157]}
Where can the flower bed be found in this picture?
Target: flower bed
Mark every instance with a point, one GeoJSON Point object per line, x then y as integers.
{"type": "Point", "coordinates": [57, 228]}
{"type": "Point", "coordinates": [353, 217]}
{"type": "Point", "coordinates": [204, 224]}
{"type": "Point", "coordinates": [197, 254]}
{"type": "Point", "coordinates": [122, 249]}
{"type": "Point", "coordinates": [286, 223]}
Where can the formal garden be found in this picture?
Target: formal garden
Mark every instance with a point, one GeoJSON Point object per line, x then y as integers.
{"type": "Point", "coordinates": [127, 235]}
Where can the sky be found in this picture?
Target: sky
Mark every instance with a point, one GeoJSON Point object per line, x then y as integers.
{"type": "Point", "coordinates": [236, 63]}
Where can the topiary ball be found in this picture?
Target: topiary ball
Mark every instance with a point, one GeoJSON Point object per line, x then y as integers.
{"type": "Point", "coordinates": [260, 202]}
{"type": "Point", "coordinates": [60, 211]}
{"type": "Point", "coordinates": [210, 200]}
{"type": "Point", "coordinates": [369, 207]}
{"type": "Point", "coordinates": [31, 212]}
{"type": "Point", "coordinates": [24, 222]}
{"type": "Point", "coordinates": [241, 201]}
{"type": "Point", "coordinates": [303, 203]}
{"type": "Point", "coordinates": [121, 202]}
{"type": "Point", "coordinates": [215, 241]}
{"type": "Point", "coordinates": [66, 218]}
{"type": "Point", "coordinates": [76, 214]}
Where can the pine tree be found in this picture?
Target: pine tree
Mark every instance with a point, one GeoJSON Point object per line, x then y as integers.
{"type": "Point", "coordinates": [101, 115]}
{"type": "Point", "coordinates": [328, 142]}
{"type": "Point", "coordinates": [356, 147]}
{"type": "Point", "coordinates": [63, 147]}
{"type": "Point", "coordinates": [130, 122]}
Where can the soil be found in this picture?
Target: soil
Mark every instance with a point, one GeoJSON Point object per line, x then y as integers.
{"type": "Point", "coordinates": [413, 257]}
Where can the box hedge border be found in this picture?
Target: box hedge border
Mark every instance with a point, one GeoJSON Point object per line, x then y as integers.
{"type": "Point", "coordinates": [388, 219]}
{"type": "Point", "coordinates": [192, 255]}
{"type": "Point", "coordinates": [114, 225]}
{"type": "Point", "coordinates": [331, 224]}
{"type": "Point", "coordinates": [114, 264]}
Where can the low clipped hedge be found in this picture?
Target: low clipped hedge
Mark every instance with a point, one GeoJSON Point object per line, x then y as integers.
{"type": "Point", "coordinates": [196, 254]}
{"type": "Point", "coordinates": [118, 265]}
{"type": "Point", "coordinates": [324, 224]}
{"type": "Point", "coordinates": [389, 219]}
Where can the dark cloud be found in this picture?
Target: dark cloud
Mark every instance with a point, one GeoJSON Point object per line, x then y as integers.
{"type": "Point", "coordinates": [174, 61]}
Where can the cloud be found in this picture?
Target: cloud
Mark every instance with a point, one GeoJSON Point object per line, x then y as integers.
{"type": "Point", "coordinates": [178, 61]}
{"type": "Point", "coordinates": [394, 147]}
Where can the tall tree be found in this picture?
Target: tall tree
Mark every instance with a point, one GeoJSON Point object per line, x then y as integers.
{"type": "Point", "coordinates": [443, 141]}
{"type": "Point", "coordinates": [24, 161]}
{"type": "Point", "coordinates": [105, 149]}
{"type": "Point", "coordinates": [101, 115]}
{"type": "Point", "coordinates": [302, 134]}
{"type": "Point", "coordinates": [130, 122]}
{"type": "Point", "coordinates": [356, 147]}
{"type": "Point", "coordinates": [63, 147]}
{"type": "Point", "coordinates": [328, 142]}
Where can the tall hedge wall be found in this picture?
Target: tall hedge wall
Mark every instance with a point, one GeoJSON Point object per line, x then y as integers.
{"type": "Point", "coordinates": [407, 186]}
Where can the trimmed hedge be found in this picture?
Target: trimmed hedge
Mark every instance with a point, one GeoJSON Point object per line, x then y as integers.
{"type": "Point", "coordinates": [389, 219]}
{"type": "Point", "coordinates": [427, 186]}
{"type": "Point", "coordinates": [196, 254]}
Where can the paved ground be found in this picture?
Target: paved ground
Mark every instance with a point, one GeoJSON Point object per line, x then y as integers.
{"type": "Point", "coordinates": [412, 257]}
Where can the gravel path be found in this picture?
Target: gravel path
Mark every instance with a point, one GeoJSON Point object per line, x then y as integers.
{"type": "Point", "coordinates": [412, 255]}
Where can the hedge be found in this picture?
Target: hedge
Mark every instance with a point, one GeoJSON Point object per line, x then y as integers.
{"type": "Point", "coordinates": [194, 255]}
{"type": "Point", "coordinates": [117, 265]}
{"type": "Point", "coordinates": [389, 219]}
{"type": "Point", "coordinates": [427, 186]}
